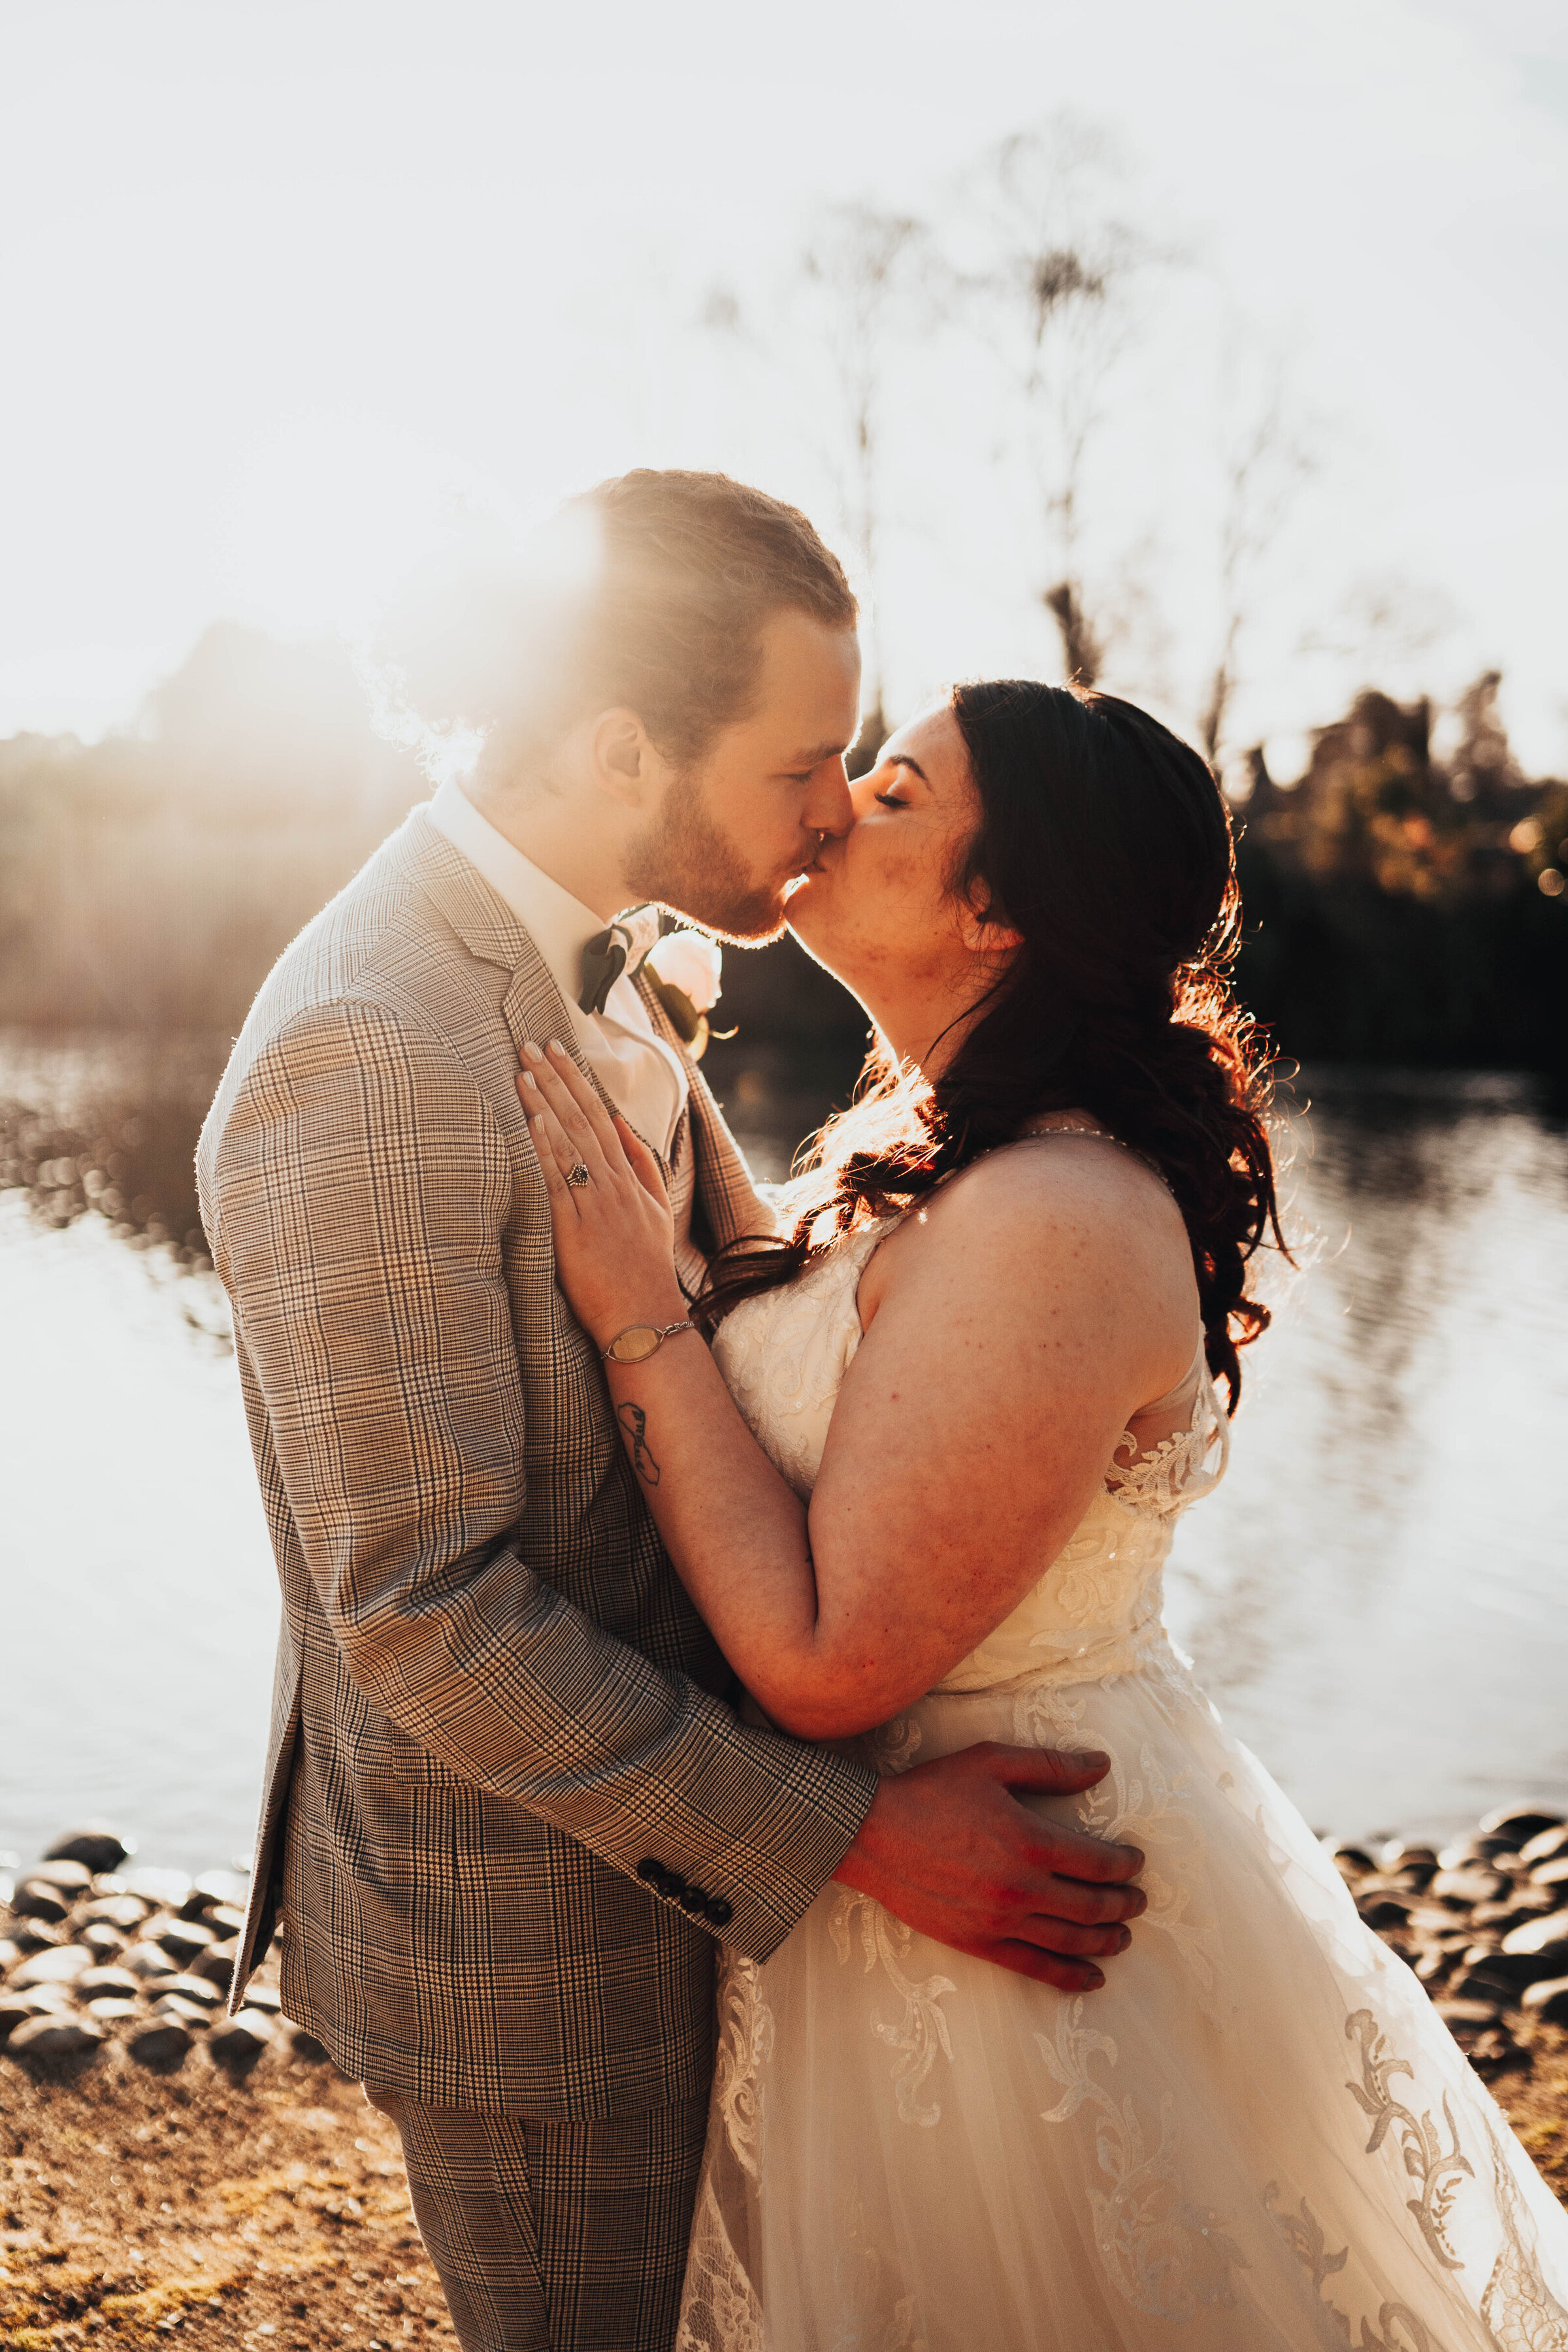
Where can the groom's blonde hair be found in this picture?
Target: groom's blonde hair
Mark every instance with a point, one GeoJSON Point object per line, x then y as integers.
{"type": "Point", "coordinates": [647, 592]}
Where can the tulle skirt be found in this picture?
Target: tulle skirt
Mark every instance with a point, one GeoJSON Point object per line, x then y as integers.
{"type": "Point", "coordinates": [1259, 2136]}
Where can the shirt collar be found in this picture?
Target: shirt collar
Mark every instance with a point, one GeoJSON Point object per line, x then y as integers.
{"type": "Point", "coordinates": [559, 925]}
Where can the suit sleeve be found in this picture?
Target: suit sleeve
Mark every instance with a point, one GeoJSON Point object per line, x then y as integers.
{"type": "Point", "coordinates": [356, 1197]}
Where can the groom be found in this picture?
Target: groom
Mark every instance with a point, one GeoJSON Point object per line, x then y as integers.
{"type": "Point", "coordinates": [509, 1806]}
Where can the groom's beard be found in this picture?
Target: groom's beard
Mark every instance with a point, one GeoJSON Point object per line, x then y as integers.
{"type": "Point", "coordinates": [685, 861]}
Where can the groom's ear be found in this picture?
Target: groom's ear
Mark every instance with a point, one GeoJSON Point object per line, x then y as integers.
{"type": "Point", "coordinates": [624, 762]}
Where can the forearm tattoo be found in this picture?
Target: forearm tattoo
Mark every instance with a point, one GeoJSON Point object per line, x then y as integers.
{"type": "Point", "coordinates": [634, 1421]}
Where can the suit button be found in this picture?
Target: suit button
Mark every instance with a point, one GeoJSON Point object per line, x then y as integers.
{"type": "Point", "coordinates": [691, 1899]}
{"type": "Point", "coordinates": [653, 1873]}
{"type": "Point", "coordinates": [719, 1913]}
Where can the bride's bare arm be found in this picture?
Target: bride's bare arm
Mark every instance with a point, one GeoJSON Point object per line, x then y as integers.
{"type": "Point", "coordinates": [970, 1434]}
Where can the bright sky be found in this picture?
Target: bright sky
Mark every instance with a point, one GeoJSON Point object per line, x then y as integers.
{"type": "Point", "coordinates": [279, 283]}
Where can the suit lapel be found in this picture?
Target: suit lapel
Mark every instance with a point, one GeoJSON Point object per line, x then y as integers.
{"type": "Point", "coordinates": [724, 1187]}
{"type": "Point", "coordinates": [465, 900]}
{"type": "Point", "coordinates": [535, 1011]}
{"type": "Point", "coordinates": [533, 1008]}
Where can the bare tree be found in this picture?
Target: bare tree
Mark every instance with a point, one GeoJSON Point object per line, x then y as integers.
{"type": "Point", "coordinates": [1051, 283]}
{"type": "Point", "coordinates": [1384, 620]}
{"type": "Point", "coordinates": [1083, 650]}
{"type": "Point", "coordinates": [860, 263]}
{"type": "Point", "coordinates": [1265, 462]}
{"type": "Point", "coordinates": [857, 280]}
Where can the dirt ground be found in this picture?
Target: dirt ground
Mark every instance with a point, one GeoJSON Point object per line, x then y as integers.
{"type": "Point", "coordinates": [272, 2215]}
{"type": "Point", "coordinates": [275, 2215]}
{"type": "Point", "coordinates": [1537, 2103]}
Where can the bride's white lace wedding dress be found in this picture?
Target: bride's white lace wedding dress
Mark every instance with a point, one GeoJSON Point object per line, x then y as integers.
{"type": "Point", "coordinates": [1259, 2136]}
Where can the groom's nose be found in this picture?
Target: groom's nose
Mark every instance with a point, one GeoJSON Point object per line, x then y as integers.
{"type": "Point", "coordinates": [828, 807]}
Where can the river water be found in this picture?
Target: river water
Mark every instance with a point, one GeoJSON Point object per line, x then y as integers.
{"type": "Point", "coordinates": [1376, 1596]}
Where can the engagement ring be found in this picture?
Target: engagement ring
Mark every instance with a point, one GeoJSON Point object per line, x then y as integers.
{"type": "Point", "coordinates": [578, 1173]}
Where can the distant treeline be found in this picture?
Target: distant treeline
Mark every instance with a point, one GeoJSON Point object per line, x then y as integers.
{"type": "Point", "coordinates": [1404, 908]}
{"type": "Point", "coordinates": [148, 882]}
{"type": "Point", "coordinates": [1399, 907]}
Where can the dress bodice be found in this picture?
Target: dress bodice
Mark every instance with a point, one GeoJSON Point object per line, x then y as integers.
{"type": "Point", "coordinates": [1096, 1606]}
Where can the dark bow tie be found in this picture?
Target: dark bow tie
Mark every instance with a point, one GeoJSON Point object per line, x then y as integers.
{"type": "Point", "coordinates": [607, 954]}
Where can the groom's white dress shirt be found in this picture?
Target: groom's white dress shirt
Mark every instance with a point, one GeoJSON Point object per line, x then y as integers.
{"type": "Point", "coordinates": [641, 1075]}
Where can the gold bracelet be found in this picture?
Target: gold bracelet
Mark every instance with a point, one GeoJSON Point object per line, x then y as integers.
{"type": "Point", "coordinates": [639, 1341]}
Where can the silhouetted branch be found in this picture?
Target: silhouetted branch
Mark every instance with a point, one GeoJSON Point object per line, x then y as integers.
{"type": "Point", "coordinates": [1050, 291]}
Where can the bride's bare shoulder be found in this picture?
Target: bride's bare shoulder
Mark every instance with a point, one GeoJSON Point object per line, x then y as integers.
{"type": "Point", "coordinates": [1033, 1211]}
{"type": "Point", "coordinates": [1066, 1172]}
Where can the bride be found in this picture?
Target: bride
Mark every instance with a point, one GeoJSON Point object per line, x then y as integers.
{"type": "Point", "coordinates": [922, 1488]}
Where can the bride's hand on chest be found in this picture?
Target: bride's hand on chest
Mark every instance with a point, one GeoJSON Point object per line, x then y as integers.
{"type": "Point", "coordinates": [609, 1212]}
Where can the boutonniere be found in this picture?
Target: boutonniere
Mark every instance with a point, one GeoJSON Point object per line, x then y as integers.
{"type": "Point", "coordinates": [685, 972]}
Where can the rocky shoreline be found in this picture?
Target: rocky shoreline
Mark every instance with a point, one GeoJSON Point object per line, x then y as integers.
{"type": "Point", "coordinates": [1483, 1923]}
{"type": "Point", "coordinates": [167, 2167]}
{"type": "Point", "coordinates": [95, 1951]}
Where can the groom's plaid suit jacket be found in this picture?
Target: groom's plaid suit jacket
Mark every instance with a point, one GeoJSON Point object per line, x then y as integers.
{"type": "Point", "coordinates": [493, 1700]}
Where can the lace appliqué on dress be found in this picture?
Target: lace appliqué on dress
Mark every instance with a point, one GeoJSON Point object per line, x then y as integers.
{"type": "Point", "coordinates": [1438, 2171]}
{"type": "Point", "coordinates": [1164, 2255]}
{"type": "Point", "coordinates": [862, 2321]}
{"type": "Point", "coordinates": [1148, 1811]}
{"type": "Point", "coordinates": [718, 2307]}
{"type": "Point", "coordinates": [893, 1746]}
{"type": "Point", "coordinates": [923, 2032]}
{"type": "Point", "coordinates": [1088, 1572]}
{"type": "Point", "coordinates": [1046, 1714]}
{"type": "Point", "coordinates": [1398, 2329]}
{"type": "Point", "coordinates": [1173, 1473]}
{"type": "Point", "coordinates": [745, 2045]}
{"type": "Point", "coordinates": [1518, 2307]}
{"type": "Point", "coordinates": [720, 2311]}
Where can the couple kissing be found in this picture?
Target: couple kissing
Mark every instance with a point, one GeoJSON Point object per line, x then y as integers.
{"type": "Point", "coordinates": [731, 1799]}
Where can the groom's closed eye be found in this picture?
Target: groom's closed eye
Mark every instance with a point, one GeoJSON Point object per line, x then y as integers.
{"type": "Point", "coordinates": [807, 763]}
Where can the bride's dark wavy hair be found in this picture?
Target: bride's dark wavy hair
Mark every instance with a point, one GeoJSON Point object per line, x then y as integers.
{"type": "Point", "coordinates": [1105, 842]}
